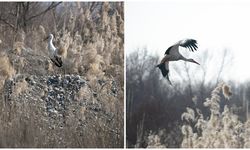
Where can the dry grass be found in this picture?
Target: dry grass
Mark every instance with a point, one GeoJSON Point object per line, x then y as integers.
{"type": "Point", "coordinates": [90, 40]}
{"type": "Point", "coordinates": [222, 129]}
{"type": "Point", "coordinates": [6, 69]}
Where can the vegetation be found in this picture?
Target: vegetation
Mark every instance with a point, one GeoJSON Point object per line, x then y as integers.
{"type": "Point", "coordinates": [45, 106]}
{"type": "Point", "coordinates": [184, 115]}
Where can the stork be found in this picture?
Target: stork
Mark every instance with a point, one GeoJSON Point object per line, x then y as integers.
{"type": "Point", "coordinates": [173, 54]}
{"type": "Point", "coordinates": [54, 53]}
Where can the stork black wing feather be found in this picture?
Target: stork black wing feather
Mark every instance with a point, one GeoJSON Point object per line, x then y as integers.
{"type": "Point", "coordinates": [190, 47]}
{"type": "Point", "coordinates": [57, 61]}
{"type": "Point", "coordinates": [164, 71]}
{"type": "Point", "coordinates": [191, 44]}
{"type": "Point", "coordinates": [195, 46]}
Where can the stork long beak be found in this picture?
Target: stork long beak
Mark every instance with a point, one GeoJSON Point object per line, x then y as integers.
{"type": "Point", "coordinates": [46, 38]}
{"type": "Point", "coordinates": [195, 62]}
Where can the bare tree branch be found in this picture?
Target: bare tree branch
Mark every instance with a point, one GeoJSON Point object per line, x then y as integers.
{"type": "Point", "coordinates": [52, 5]}
{"type": "Point", "coordinates": [189, 79]}
{"type": "Point", "coordinates": [221, 66]}
{"type": "Point", "coordinates": [6, 22]}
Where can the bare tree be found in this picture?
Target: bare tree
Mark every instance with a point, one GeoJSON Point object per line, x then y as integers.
{"type": "Point", "coordinates": [225, 61]}
{"type": "Point", "coordinates": [20, 14]}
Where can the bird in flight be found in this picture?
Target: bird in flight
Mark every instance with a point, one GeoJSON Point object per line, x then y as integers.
{"type": "Point", "coordinates": [54, 53]}
{"type": "Point", "coordinates": [173, 54]}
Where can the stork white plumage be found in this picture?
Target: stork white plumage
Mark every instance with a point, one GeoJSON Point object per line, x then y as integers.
{"type": "Point", "coordinates": [173, 54]}
{"type": "Point", "coordinates": [53, 52]}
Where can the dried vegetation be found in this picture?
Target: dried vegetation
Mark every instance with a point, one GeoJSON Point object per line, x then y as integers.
{"type": "Point", "coordinates": [45, 106]}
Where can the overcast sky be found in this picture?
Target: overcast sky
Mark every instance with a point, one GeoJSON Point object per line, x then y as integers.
{"type": "Point", "coordinates": [215, 24]}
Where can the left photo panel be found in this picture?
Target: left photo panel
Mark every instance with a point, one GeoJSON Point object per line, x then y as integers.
{"type": "Point", "coordinates": [62, 74]}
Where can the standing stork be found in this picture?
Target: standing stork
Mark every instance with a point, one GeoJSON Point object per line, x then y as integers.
{"type": "Point", "coordinates": [54, 53]}
{"type": "Point", "coordinates": [173, 54]}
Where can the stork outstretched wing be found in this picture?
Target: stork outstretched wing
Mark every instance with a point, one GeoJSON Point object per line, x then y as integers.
{"type": "Point", "coordinates": [165, 70]}
{"type": "Point", "coordinates": [191, 44]}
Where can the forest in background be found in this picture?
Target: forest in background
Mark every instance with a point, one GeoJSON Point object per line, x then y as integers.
{"type": "Point", "coordinates": [78, 105]}
{"type": "Point", "coordinates": [193, 113]}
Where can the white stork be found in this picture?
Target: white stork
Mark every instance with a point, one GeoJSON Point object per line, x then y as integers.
{"type": "Point", "coordinates": [54, 52]}
{"type": "Point", "coordinates": [173, 54]}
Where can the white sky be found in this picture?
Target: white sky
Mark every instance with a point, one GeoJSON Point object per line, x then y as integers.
{"type": "Point", "coordinates": [215, 24]}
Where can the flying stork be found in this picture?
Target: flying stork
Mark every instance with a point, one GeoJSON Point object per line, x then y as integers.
{"type": "Point", "coordinates": [173, 54]}
{"type": "Point", "coordinates": [54, 53]}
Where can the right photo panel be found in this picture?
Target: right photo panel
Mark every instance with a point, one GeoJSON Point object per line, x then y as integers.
{"type": "Point", "coordinates": [187, 82]}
